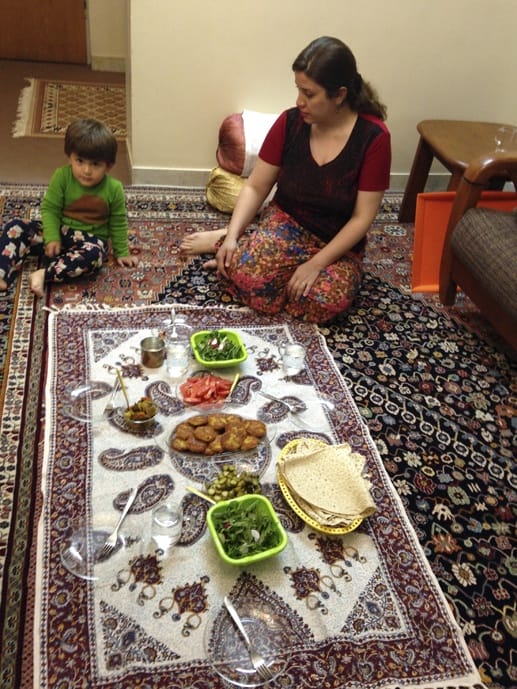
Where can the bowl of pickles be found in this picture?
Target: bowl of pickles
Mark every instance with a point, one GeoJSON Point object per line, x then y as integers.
{"type": "Point", "coordinates": [140, 415]}
{"type": "Point", "coordinates": [231, 480]}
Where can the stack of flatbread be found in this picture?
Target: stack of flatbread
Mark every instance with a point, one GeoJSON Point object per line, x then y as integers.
{"type": "Point", "coordinates": [327, 482]}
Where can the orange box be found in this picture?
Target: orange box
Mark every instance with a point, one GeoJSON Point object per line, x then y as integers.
{"type": "Point", "coordinates": [431, 219]}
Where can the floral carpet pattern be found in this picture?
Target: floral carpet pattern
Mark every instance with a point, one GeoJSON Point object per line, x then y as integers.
{"type": "Point", "coordinates": [441, 406]}
{"type": "Point", "coordinates": [435, 386]}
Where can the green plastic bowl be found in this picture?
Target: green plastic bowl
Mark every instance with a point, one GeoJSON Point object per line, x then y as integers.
{"type": "Point", "coordinates": [234, 337]}
{"type": "Point", "coordinates": [264, 506]}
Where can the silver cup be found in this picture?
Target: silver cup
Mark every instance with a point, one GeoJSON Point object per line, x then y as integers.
{"type": "Point", "coordinates": [153, 352]}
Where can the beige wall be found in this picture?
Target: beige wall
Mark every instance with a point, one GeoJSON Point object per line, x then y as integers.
{"type": "Point", "coordinates": [107, 32]}
{"type": "Point", "coordinates": [189, 64]}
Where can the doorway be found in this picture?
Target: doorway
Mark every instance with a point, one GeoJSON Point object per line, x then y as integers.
{"type": "Point", "coordinates": [44, 31]}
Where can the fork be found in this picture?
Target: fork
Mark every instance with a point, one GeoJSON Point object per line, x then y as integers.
{"type": "Point", "coordinates": [257, 659]}
{"type": "Point", "coordinates": [112, 539]}
{"type": "Point", "coordinates": [294, 407]}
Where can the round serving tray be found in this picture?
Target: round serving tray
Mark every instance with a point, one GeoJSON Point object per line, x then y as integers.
{"type": "Point", "coordinates": [332, 530]}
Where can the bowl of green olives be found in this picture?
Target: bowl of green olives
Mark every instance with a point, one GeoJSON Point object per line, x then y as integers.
{"type": "Point", "coordinates": [231, 480]}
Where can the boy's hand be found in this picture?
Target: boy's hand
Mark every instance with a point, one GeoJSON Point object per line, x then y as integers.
{"type": "Point", "coordinates": [52, 249]}
{"type": "Point", "coordinates": [130, 261]}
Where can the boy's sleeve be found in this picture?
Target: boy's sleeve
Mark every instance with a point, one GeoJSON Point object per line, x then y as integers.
{"type": "Point", "coordinates": [118, 225]}
{"type": "Point", "coordinates": [52, 208]}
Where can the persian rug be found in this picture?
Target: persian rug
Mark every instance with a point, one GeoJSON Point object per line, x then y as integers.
{"type": "Point", "coordinates": [440, 403]}
{"type": "Point", "coordinates": [435, 386]}
{"type": "Point", "coordinates": [47, 106]}
{"type": "Point", "coordinates": [360, 608]}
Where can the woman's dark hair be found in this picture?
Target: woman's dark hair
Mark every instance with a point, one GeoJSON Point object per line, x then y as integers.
{"type": "Point", "coordinates": [331, 64]}
{"type": "Point", "coordinates": [91, 139]}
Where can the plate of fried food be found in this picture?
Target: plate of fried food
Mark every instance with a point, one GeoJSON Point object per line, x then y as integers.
{"type": "Point", "coordinates": [218, 433]}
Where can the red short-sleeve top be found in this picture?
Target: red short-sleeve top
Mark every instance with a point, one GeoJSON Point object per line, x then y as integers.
{"type": "Point", "coordinates": [321, 198]}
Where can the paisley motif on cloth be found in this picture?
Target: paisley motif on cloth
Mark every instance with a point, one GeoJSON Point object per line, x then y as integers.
{"type": "Point", "coordinates": [364, 605]}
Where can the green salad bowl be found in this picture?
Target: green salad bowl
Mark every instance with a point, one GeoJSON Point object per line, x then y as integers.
{"type": "Point", "coordinates": [228, 523]}
{"type": "Point", "coordinates": [214, 357]}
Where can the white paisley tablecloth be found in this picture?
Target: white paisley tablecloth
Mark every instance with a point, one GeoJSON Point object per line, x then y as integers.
{"type": "Point", "coordinates": [359, 610]}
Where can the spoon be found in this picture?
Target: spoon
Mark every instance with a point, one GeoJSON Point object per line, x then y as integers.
{"type": "Point", "coordinates": [123, 386]}
{"type": "Point", "coordinates": [173, 321]}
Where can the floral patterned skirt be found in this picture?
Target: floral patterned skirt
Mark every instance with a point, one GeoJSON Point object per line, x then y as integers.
{"type": "Point", "coordinates": [264, 262]}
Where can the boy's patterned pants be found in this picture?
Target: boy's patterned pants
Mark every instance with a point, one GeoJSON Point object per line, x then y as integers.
{"type": "Point", "coordinates": [81, 253]}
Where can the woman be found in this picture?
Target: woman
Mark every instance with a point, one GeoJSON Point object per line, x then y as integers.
{"type": "Point", "coordinates": [330, 159]}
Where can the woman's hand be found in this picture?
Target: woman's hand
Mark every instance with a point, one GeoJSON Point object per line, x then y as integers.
{"type": "Point", "coordinates": [224, 255]}
{"type": "Point", "coordinates": [251, 197]}
{"type": "Point", "coordinates": [52, 249]}
{"type": "Point", "coordinates": [302, 280]}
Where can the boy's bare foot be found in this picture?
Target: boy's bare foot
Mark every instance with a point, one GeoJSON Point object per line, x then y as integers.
{"type": "Point", "coordinates": [37, 282]}
{"type": "Point", "coordinates": [211, 264]}
{"type": "Point", "coordinates": [3, 285]}
{"type": "Point", "coordinates": [201, 242]}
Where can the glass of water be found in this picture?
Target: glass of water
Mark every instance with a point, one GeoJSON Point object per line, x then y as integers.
{"type": "Point", "coordinates": [293, 357]}
{"type": "Point", "coordinates": [506, 139]}
{"type": "Point", "coordinates": [167, 524]}
{"type": "Point", "coordinates": [177, 343]}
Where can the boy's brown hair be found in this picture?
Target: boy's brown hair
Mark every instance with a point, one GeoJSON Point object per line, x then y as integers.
{"type": "Point", "coordinates": [91, 139]}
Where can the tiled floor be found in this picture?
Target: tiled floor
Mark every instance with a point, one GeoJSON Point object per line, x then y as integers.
{"type": "Point", "coordinates": [33, 160]}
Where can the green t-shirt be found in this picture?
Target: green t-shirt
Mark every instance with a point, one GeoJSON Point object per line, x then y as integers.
{"type": "Point", "coordinates": [99, 210]}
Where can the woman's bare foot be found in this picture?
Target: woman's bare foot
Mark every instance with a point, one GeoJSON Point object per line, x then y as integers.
{"type": "Point", "coordinates": [3, 285]}
{"type": "Point", "coordinates": [201, 242]}
{"type": "Point", "coordinates": [37, 282]}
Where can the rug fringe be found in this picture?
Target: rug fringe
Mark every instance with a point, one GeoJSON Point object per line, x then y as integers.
{"type": "Point", "coordinates": [165, 306]}
{"type": "Point", "coordinates": [24, 111]}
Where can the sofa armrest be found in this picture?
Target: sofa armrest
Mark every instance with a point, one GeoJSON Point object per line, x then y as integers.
{"type": "Point", "coordinates": [476, 179]}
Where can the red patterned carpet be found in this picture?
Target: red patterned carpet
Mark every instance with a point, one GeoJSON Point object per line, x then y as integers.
{"type": "Point", "coordinates": [435, 387]}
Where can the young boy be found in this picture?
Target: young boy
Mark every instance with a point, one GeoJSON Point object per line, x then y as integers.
{"type": "Point", "coordinates": [82, 209]}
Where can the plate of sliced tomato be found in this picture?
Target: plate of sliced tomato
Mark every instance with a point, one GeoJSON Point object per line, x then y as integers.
{"type": "Point", "coordinates": [205, 390]}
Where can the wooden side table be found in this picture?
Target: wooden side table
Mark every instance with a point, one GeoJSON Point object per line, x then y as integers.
{"type": "Point", "coordinates": [455, 143]}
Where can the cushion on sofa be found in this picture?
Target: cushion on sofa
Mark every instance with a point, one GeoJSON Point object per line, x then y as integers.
{"type": "Point", "coordinates": [485, 240]}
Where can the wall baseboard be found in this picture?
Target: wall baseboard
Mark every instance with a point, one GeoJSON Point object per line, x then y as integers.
{"type": "Point", "coordinates": [177, 177]}
{"type": "Point", "coordinates": [437, 181]}
{"type": "Point", "coordinates": [108, 64]}
{"type": "Point", "coordinates": [169, 177]}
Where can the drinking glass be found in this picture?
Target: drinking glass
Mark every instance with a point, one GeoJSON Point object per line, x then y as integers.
{"type": "Point", "coordinates": [505, 139]}
{"type": "Point", "coordinates": [177, 342]}
{"type": "Point", "coordinates": [167, 524]}
{"type": "Point", "coordinates": [293, 357]}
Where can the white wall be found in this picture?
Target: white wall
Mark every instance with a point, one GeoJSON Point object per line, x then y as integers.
{"type": "Point", "coordinates": [108, 34]}
{"type": "Point", "coordinates": [189, 64]}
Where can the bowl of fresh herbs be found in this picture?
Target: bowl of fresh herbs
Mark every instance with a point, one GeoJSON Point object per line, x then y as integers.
{"type": "Point", "coordinates": [218, 348]}
{"type": "Point", "coordinates": [246, 529]}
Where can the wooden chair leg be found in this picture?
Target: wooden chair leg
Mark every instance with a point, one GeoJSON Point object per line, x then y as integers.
{"type": "Point", "coordinates": [455, 180]}
{"type": "Point", "coordinates": [416, 182]}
